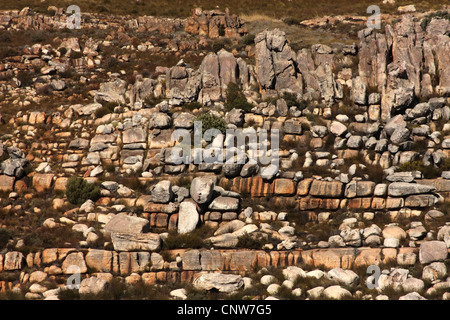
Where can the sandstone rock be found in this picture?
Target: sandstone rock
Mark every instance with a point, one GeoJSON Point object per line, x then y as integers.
{"type": "Point", "coordinates": [434, 271]}
{"type": "Point", "coordinates": [431, 251]}
{"type": "Point", "coordinates": [292, 273]}
{"type": "Point", "coordinates": [74, 263]}
{"type": "Point", "coordinates": [345, 277]}
{"type": "Point", "coordinates": [333, 189]}
{"type": "Point", "coordinates": [135, 241]}
{"type": "Point", "coordinates": [127, 224]}
{"type": "Point", "coordinates": [394, 232]}
{"type": "Point", "coordinates": [93, 285]}
{"type": "Point", "coordinates": [337, 128]}
{"type": "Point", "coordinates": [336, 293]}
{"type": "Point", "coordinates": [224, 204]}
{"type": "Point", "coordinates": [221, 282]}
{"type": "Point", "coordinates": [202, 189]}
{"type": "Point", "coordinates": [412, 296]}
{"type": "Point", "coordinates": [400, 189]}
{"type": "Point", "coordinates": [13, 261]}
{"type": "Point", "coordinates": [188, 217]}
{"type": "Point", "coordinates": [162, 192]}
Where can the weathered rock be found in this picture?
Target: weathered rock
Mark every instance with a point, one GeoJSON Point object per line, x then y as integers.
{"type": "Point", "coordinates": [431, 251]}
{"type": "Point", "coordinates": [400, 189]}
{"type": "Point", "coordinates": [74, 263]}
{"type": "Point", "coordinates": [162, 192]}
{"type": "Point", "coordinates": [127, 224]}
{"type": "Point", "coordinates": [93, 285]}
{"type": "Point", "coordinates": [336, 293]}
{"type": "Point", "coordinates": [202, 189]}
{"type": "Point", "coordinates": [345, 277]}
{"type": "Point", "coordinates": [224, 204]}
{"type": "Point", "coordinates": [13, 261]}
{"type": "Point", "coordinates": [221, 282]}
{"type": "Point", "coordinates": [188, 217]}
{"type": "Point", "coordinates": [434, 271]}
{"type": "Point", "coordinates": [135, 241]}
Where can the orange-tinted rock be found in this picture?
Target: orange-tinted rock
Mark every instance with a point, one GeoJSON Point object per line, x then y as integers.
{"type": "Point", "coordinates": [43, 181]}
{"type": "Point", "coordinates": [284, 187]}
{"type": "Point", "coordinates": [6, 183]}
{"type": "Point", "coordinates": [326, 189]}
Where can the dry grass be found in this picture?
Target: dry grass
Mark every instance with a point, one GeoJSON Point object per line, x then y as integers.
{"type": "Point", "coordinates": [279, 9]}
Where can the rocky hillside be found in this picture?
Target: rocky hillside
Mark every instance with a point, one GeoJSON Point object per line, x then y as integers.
{"type": "Point", "coordinates": [344, 165]}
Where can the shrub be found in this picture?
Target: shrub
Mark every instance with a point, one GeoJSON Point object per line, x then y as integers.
{"type": "Point", "coordinates": [250, 242]}
{"type": "Point", "coordinates": [439, 14]}
{"type": "Point", "coordinates": [236, 98]}
{"type": "Point", "coordinates": [191, 106]}
{"type": "Point", "coordinates": [211, 121]}
{"type": "Point", "coordinates": [79, 190]}
{"type": "Point", "coordinates": [5, 235]}
{"type": "Point", "coordinates": [25, 78]}
{"type": "Point", "coordinates": [291, 101]}
{"type": "Point", "coordinates": [107, 108]}
{"type": "Point", "coordinates": [248, 39]}
{"type": "Point", "coordinates": [76, 55]}
{"type": "Point", "coordinates": [221, 30]}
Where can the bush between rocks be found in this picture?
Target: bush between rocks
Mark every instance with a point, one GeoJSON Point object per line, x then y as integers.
{"type": "Point", "coordinates": [79, 191]}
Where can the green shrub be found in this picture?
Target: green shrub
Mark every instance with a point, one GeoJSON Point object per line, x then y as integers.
{"type": "Point", "coordinates": [210, 121]}
{"type": "Point", "coordinates": [250, 241]}
{"type": "Point", "coordinates": [5, 235]}
{"type": "Point", "coordinates": [107, 108]}
{"type": "Point", "coordinates": [439, 14]}
{"type": "Point", "coordinates": [291, 101]}
{"type": "Point", "coordinates": [25, 78]}
{"type": "Point", "coordinates": [236, 98]}
{"type": "Point", "coordinates": [248, 39]}
{"type": "Point", "coordinates": [79, 190]}
{"type": "Point", "coordinates": [221, 30]}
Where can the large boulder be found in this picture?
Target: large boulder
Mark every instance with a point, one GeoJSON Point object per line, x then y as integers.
{"type": "Point", "coordinates": [93, 285]}
{"type": "Point", "coordinates": [431, 251]}
{"type": "Point", "coordinates": [222, 282]}
{"type": "Point", "coordinates": [188, 217]}
{"type": "Point", "coordinates": [162, 192]}
{"type": "Point", "coordinates": [127, 224]}
{"type": "Point", "coordinates": [400, 189]}
{"type": "Point", "coordinates": [136, 241]}
{"type": "Point", "coordinates": [343, 276]}
{"type": "Point", "coordinates": [336, 293]}
{"type": "Point", "coordinates": [202, 189]}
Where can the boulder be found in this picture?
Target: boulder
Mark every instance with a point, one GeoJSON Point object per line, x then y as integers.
{"type": "Point", "coordinates": [336, 293]}
{"type": "Point", "coordinates": [202, 189]}
{"type": "Point", "coordinates": [127, 224]}
{"type": "Point", "coordinates": [431, 251]}
{"type": "Point", "coordinates": [74, 263]}
{"type": "Point", "coordinates": [343, 276]}
{"type": "Point", "coordinates": [224, 204]}
{"type": "Point", "coordinates": [162, 192]}
{"type": "Point", "coordinates": [188, 217]}
{"type": "Point", "coordinates": [222, 282]}
{"type": "Point", "coordinates": [93, 285]}
{"type": "Point", "coordinates": [136, 241]}
{"type": "Point", "coordinates": [400, 189]}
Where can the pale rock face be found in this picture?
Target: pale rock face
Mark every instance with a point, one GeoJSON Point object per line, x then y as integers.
{"type": "Point", "coordinates": [432, 251]}
{"type": "Point", "coordinates": [188, 217]}
{"type": "Point", "coordinates": [221, 282]}
{"type": "Point", "coordinates": [93, 285]}
{"type": "Point", "coordinates": [336, 292]}
{"type": "Point", "coordinates": [202, 190]}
